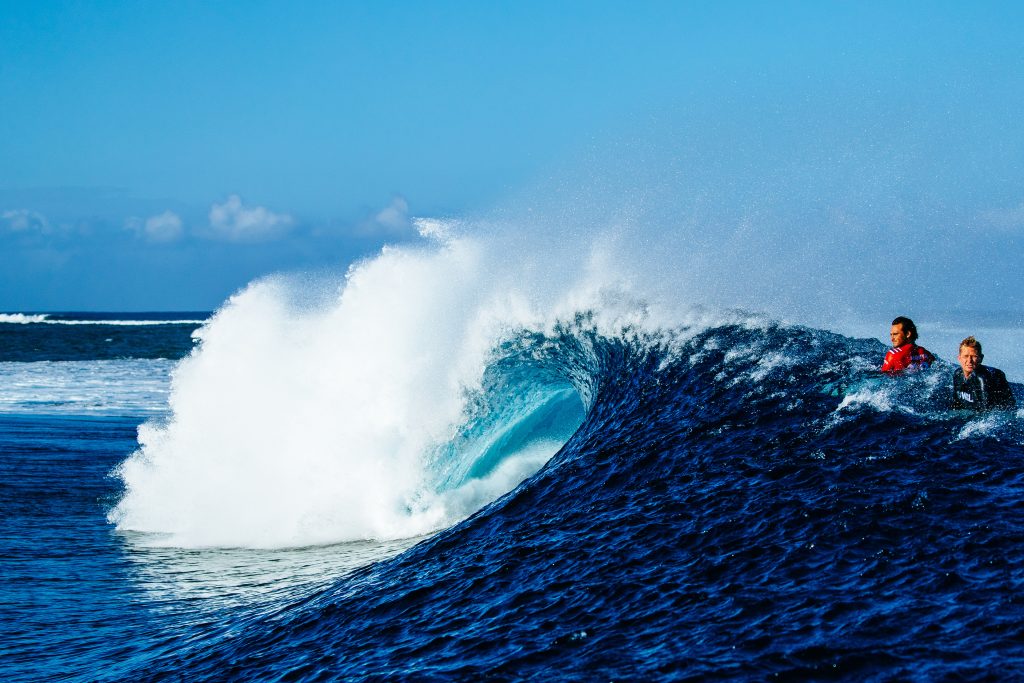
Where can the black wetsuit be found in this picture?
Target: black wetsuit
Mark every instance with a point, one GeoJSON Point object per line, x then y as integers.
{"type": "Point", "coordinates": [985, 389]}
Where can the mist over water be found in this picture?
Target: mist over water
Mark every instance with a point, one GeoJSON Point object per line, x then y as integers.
{"type": "Point", "coordinates": [821, 205]}
{"type": "Point", "coordinates": [828, 206]}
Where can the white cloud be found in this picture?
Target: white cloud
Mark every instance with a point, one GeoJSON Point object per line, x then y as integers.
{"type": "Point", "coordinates": [394, 217]}
{"type": "Point", "coordinates": [164, 227]}
{"type": "Point", "coordinates": [392, 220]}
{"type": "Point", "coordinates": [24, 220]}
{"type": "Point", "coordinates": [238, 223]}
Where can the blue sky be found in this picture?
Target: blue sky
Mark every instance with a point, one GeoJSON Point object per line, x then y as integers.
{"type": "Point", "coordinates": [161, 155]}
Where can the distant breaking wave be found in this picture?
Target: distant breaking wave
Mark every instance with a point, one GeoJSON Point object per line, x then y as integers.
{"type": "Point", "coordinates": [80, 336]}
{"type": "Point", "coordinates": [46, 319]}
{"type": "Point", "coordinates": [22, 318]}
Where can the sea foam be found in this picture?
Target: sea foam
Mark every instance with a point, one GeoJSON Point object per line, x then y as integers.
{"type": "Point", "coordinates": [296, 424]}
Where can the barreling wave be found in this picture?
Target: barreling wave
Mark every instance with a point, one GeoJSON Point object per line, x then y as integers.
{"type": "Point", "coordinates": [590, 472]}
{"type": "Point", "coordinates": [297, 424]}
{"type": "Point", "coordinates": [432, 382]}
{"type": "Point", "coordinates": [738, 498]}
{"type": "Point", "coordinates": [389, 409]}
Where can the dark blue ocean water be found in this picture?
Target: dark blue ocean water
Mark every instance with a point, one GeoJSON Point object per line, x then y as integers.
{"type": "Point", "coordinates": [739, 502]}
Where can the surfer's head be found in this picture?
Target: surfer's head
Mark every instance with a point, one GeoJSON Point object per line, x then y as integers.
{"type": "Point", "coordinates": [903, 331]}
{"type": "Point", "coordinates": [970, 355]}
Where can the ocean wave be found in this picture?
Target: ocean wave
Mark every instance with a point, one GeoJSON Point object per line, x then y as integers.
{"type": "Point", "coordinates": [438, 380]}
{"type": "Point", "coordinates": [47, 319]}
{"type": "Point", "coordinates": [293, 426]}
{"type": "Point", "coordinates": [570, 470]}
{"type": "Point", "coordinates": [22, 318]}
{"type": "Point", "coordinates": [723, 491]}
{"type": "Point", "coordinates": [361, 417]}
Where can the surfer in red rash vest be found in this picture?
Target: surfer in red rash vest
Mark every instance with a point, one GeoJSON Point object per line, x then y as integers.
{"type": "Point", "coordinates": [905, 354]}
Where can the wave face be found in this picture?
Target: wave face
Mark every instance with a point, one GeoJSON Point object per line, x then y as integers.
{"type": "Point", "coordinates": [601, 488]}
{"type": "Point", "coordinates": [739, 500]}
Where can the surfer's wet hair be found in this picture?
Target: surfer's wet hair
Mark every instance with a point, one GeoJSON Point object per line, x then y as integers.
{"type": "Point", "coordinates": [973, 343]}
{"type": "Point", "coordinates": [908, 326]}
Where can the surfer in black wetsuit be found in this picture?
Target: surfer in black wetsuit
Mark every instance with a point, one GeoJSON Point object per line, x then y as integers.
{"type": "Point", "coordinates": [977, 386]}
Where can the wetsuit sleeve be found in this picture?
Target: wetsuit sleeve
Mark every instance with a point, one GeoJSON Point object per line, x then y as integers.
{"type": "Point", "coordinates": [1002, 395]}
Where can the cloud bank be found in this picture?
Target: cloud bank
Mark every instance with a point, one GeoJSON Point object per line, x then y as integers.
{"type": "Point", "coordinates": [235, 222]}
{"type": "Point", "coordinates": [24, 220]}
{"type": "Point", "coordinates": [164, 227]}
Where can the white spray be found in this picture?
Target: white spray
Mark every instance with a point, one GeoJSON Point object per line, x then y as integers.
{"type": "Point", "coordinates": [294, 425]}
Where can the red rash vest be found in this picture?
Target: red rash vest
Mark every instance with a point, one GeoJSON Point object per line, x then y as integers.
{"type": "Point", "coordinates": [907, 357]}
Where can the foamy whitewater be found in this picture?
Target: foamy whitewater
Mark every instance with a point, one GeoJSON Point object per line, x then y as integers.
{"type": "Point", "coordinates": [297, 424]}
{"type": "Point", "coordinates": [95, 387]}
